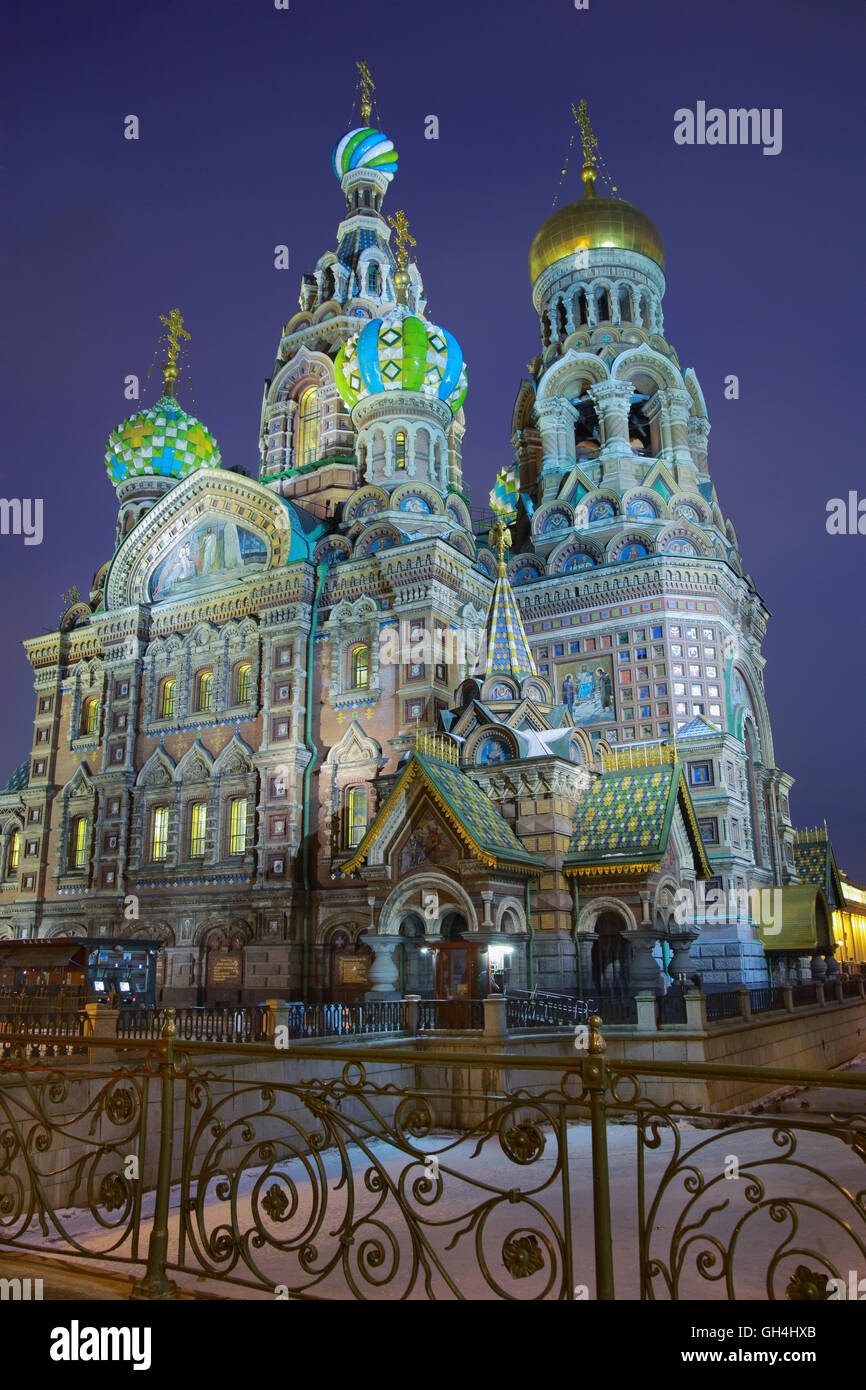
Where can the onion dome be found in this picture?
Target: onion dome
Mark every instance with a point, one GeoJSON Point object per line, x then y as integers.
{"type": "Point", "coordinates": [401, 352]}
{"type": "Point", "coordinates": [364, 148]}
{"type": "Point", "coordinates": [594, 222]}
{"type": "Point", "coordinates": [163, 442]}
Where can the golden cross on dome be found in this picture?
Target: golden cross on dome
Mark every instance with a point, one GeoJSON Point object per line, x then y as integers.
{"type": "Point", "coordinates": [368, 87]}
{"type": "Point", "coordinates": [174, 332]}
{"type": "Point", "coordinates": [500, 541]}
{"type": "Point", "coordinates": [591, 153]}
{"type": "Point", "coordinates": [400, 223]}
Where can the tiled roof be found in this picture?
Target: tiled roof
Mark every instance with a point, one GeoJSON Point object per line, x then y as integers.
{"type": "Point", "coordinates": [508, 651]}
{"type": "Point", "coordinates": [20, 777]}
{"type": "Point", "coordinates": [697, 728]}
{"type": "Point", "coordinates": [626, 817]}
{"type": "Point", "coordinates": [465, 806]}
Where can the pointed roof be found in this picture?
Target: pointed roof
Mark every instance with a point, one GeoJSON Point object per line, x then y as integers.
{"type": "Point", "coordinates": [508, 651]}
{"type": "Point", "coordinates": [624, 820]}
{"type": "Point", "coordinates": [19, 779]}
{"type": "Point", "coordinates": [466, 809]}
{"type": "Point", "coordinates": [698, 728]}
{"type": "Point", "coordinates": [815, 863]}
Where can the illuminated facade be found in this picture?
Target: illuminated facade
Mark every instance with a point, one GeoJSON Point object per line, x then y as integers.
{"type": "Point", "coordinates": [319, 733]}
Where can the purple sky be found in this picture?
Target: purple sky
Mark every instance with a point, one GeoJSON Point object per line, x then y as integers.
{"type": "Point", "coordinates": [239, 107]}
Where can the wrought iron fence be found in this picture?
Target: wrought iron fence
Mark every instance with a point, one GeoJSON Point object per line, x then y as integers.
{"type": "Point", "coordinates": [49, 1035]}
{"type": "Point", "coordinates": [671, 1007]}
{"type": "Point", "coordinates": [766, 999]}
{"type": "Point", "coordinates": [723, 1004]}
{"type": "Point", "coordinates": [343, 1020]}
{"type": "Point", "coordinates": [450, 1014]}
{"type": "Point", "coordinates": [347, 1184]}
{"type": "Point", "coordinates": [804, 994]}
{"type": "Point", "coordinates": [535, 1009]}
{"type": "Point", "coordinates": [240, 1024]}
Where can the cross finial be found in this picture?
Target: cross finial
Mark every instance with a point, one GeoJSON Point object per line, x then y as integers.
{"type": "Point", "coordinates": [368, 87]}
{"type": "Point", "coordinates": [500, 540]}
{"type": "Point", "coordinates": [400, 223]}
{"type": "Point", "coordinates": [174, 332]}
{"type": "Point", "coordinates": [591, 153]}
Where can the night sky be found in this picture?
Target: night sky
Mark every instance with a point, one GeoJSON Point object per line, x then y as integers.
{"type": "Point", "coordinates": [240, 104]}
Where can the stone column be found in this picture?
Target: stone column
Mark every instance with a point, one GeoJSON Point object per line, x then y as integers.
{"type": "Point", "coordinates": [644, 972]}
{"type": "Point", "coordinates": [681, 944]}
{"type": "Point", "coordinates": [675, 411]}
{"type": "Point", "coordinates": [819, 967]}
{"type": "Point", "coordinates": [555, 419]}
{"type": "Point", "coordinates": [583, 944]}
{"type": "Point", "coordinates": [698, 430]}
{"type": "Point", "coordinates": [612, 400]}
{"type": "Point", "coordinates": [383, 971]}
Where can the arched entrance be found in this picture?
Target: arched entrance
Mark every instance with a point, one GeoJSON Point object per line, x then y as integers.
{"type": "Point", "coordinates": [413, 959]}
{"type": "Point", "coordinates": [610, 955]}
{"type": "Point", "coordinates": [461, 966]}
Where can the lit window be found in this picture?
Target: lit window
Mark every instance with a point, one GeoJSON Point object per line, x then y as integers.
{"type": "Point", "coordinates": [712, 672]}
{"type": "Point", "coordinates": [360, 669]}
{"type": "Point", "coordinates": [400, 449]}
{"type": "Point", "coordinates": [205, 691]}
{"type": "Point", "coordinates": [237, 825]}
{"type": "Point", "coordinates": [197, 829]}
{"type": "Point", "coordinates": [88, 719]}
{"type": "Point", "coordinates": [169, 695]}
{"type": "Point", "coordinates": [679, 688]}
{"type": "Point", "coordinates": [307, 450]}
{"type": "Point", "coordinates": [675, 632]}
{"type": "Point", "coordinates": [676, 650]}
{"type": "Point", "coordinates": [709, 652]}
{"type": "Point", "coordinates": [159, 833]}
{"type": "Point", "coordinates": [245, 684]}
{"type": "Point", "coordinates": [696, 689]}
{"type": "Point", "coordinates": [78, 843]}
{"type": "Point", "coordinates": [14, 851]}
{"type": "Point", "coordinates": [356, 815]}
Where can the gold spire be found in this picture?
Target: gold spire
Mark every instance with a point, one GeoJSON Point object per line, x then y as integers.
{"type": "Point", "coordinates": [368, 87]}
{"type": "Point", "coordinates": [175, 331]}
{"type": "Point", "coordinates": [591, 153]}
{"type": "Point", "coordinates": [400, 223]}
{"type": "Point", "coordinates": [500, 541]}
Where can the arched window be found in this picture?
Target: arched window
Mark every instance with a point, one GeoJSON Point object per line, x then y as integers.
{"type": "Point", "coordinates": [603, 306]}
{"type": "Point", "coordinates": [373, 279]}
{"type": "Point", "coordinates": [360, 667]}
{"type": "Point", "coordinates": [561, 320]}
{"type": "Point", "coordinates": [89, 714]}
{"type": "Point", "coordinates": [624, 306]}
{"type": "Point", "coordinates": [356, 816]}
{"type": "Point", "coordinates": [245, 684]}
{"type": "Point", "coordinates": [307, 447]}
{"type": "Point", "coordinates": [237, 825]}
{"type": "Point", "coordinates": [78, 843]}
{"type": "Point", "coordinates": [197, 829]}
{"type": "Point", "coordinates": [400, 449]}
{"type": "Point", "coordinates": [204, 691]}
{"type": "Point", "coordinates": [14, 852]}
{"type": "Point", "coordinates": [168, 697]}
{"type": "Point", "coordinates": [159, 833]}
{"type": "Point", "coordinates": [582, 310]}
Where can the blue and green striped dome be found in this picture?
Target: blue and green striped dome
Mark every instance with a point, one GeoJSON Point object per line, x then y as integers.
{"type": "Point", "coordinates": [163, 441]}
{"type": "Point", "coordinates": [364, 148]}
{"type": "Point", "coordinates": [401, 352]}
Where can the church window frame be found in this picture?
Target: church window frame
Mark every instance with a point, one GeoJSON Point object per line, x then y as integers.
{"type": "Point", "coordinates": [307, 430]}
{"type": "Point", "coordinates": [244, 683]}
{"type": "Point", "coordinates": [158, 839]}
{"type": "Point", "coordinates": [197, 829]}
{"type": "Point", "coordinates": [78, 842]}
{"type": "Point", "coordinates": [400, 449]}
{"type": "Point", "coordinates": [359, 666]}
{"type": "Point", "coordinates": [204, 692]}
{"type": "Point", "coordinates": [237, 809]}
{"type": "Point", "coordinates": [357, 810]}
{"type": "Point", "coordinates": [14, 858]}
{"type": "Point", "coordinates": [168, 698]}
{"type": "Point", "coordinates": [90, 715]}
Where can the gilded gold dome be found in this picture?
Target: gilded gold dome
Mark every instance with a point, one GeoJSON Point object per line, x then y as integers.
{"type": "Point", "coordinates": [594, 222]}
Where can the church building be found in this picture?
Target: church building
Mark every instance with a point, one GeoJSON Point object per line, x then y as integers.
{"type": "Point", "coordinates": [332, 734]}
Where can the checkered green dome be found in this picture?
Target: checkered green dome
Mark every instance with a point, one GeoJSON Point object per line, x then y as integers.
{"type": "Point", "coordinates": [401, 352]}
{"type": "Point", "coordinates": [163, 441]}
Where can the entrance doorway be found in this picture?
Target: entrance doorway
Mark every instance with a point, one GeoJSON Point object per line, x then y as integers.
{"type": "Point", "coordinates": [461, 968]}
{"type": "Point", "coordinates": [610, 956]}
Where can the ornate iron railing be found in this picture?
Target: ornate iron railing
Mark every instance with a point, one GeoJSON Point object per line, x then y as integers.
{"type": "Point", "coordinates": [450, 1014]}
{"type": "Point", "coordinates": [671, 1007]}
{"type": "Point", "coordinates": [766, 999]}
{"type": "Point", "coordinates": [343, 1020]}
{"type": "Point", "coordinates": [804, 994]}
{"type": "Point", "coordinates": [240, 1024]}
{"type": "Point", "coordinates": [50, 1034]}
{"type": "Point", "coordinates": [400, 1172]}
{"type": "Point", "coordinates": [723, 1004]}
{"type": "Point", "coordinates": [536, 1009]}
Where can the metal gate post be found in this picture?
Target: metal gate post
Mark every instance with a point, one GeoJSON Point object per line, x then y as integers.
{"type": "Point", "coordinates": [595, 1081]}
{"type": "Point", "coordinates": [155, 1284]}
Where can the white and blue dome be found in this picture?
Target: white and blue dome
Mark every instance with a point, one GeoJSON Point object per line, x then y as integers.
{"type": "Point", "coordinates": [364, 148]}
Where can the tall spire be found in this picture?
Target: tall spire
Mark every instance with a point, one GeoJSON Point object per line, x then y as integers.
{"type": "Point", "coordinates": [508, 652]}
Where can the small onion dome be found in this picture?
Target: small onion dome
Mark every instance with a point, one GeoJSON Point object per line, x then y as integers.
{"type": "Point", "coordinates": [594, 222]}
{"type": "Point", "coordinates": [401, 352]}
{"type": "Point", "coordinates": [163, 442]}
{"type": "Point", "coordinates": [364, 148]}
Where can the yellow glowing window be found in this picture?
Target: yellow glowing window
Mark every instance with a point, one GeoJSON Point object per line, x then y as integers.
{"type": "Point", "coordinates": [360, 667]}
{"type": "Point", "coordinates": [245, 684]}
{"type": "Point", "coordinates": [78, 843]}
{"type": "Point", "coordinates": [14, 851]}
{"type": "Point", "coordinates": [205, 690]}
{"type": "Point", "coordinates": [400, 449]}
{"type": "Point", "coordinates": [237, 825]}
{"type": "Point", "coordinates": [307, 450]}
{"type": "Point", "coordinates": [197, 829]}
{"type": "Point", "coordinates": [88, 720]}
{"type": "Point", "coordinates": [169, 696]}
{"type": "Point", "coordinates": [159, 833]}
{"type": "Point", "coordinates": [356, 817]}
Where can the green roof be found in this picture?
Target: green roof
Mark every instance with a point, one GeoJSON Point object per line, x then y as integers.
{"type": "Point", "coordinates": [466, 807]}
{"type": "Point", "coordinates": [626, 818]}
